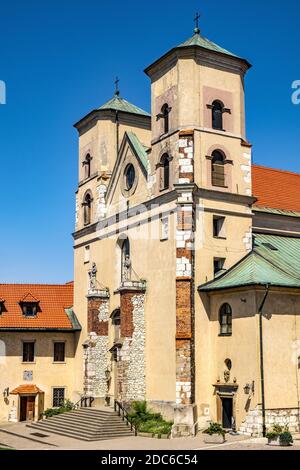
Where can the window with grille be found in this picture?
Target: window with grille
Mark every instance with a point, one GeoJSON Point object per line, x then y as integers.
{"type": "Point", "coordinates": [28, 351]}
{"type": "Point", "coordinates": [58, 397]}
{"type": "Point", "coordinates": [59, 352]}
{"type": "Point", "coordinates": [225, 319]}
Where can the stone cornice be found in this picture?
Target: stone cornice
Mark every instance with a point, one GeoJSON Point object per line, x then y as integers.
{"type": "Point", "coordinates": [88, 121]}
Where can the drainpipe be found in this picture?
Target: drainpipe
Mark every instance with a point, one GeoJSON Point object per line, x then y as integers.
{"type": "Point", "coordinates": [262, 377]}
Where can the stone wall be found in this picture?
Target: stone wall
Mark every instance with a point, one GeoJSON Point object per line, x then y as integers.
{"type": "Point", "coordinates": [96, 345]}
{"type": "Point", "coordinates": [252, 425]}
{"type": "Point", "coordinates": [131, 365]}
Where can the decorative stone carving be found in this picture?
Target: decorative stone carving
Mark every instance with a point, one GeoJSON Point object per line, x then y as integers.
{"type": "Point", "coordinates": [93, 276]}
{"type": "Point", "coordinates": [126, 274]}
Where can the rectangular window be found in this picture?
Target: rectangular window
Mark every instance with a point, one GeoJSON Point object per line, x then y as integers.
{"type": "Point", "coordinates": [164, 228]}
{"type": "Point", "coordinates": [58, 397]}
{"type": "Point", "coordinates": [218, 265]}
{"type": "Point", "coordinates": [87, 254]}
{"type": "Point", "coordinates": [218, 226]}
{"type": "Point", "coordinates": [59, 352]}
{"type": "Point", "coordinates": [28, 351]}
{"type": "Point", "coordinates": [29, 309]}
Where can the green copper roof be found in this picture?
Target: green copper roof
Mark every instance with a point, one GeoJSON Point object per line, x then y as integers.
{"type": "Point", "coordinates": [274, 260]}
{"type": "Point", "coordinates": [119, 104]}
{"type": "Point", "coordinates": [198, 40]}
{"type": "Point", "coordinates": [139, 148]}
{"type": "Point", "coordinates": [270, 210]}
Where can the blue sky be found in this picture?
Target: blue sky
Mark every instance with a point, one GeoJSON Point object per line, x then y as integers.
{"type": "Point", "coordinates": [59, 58]}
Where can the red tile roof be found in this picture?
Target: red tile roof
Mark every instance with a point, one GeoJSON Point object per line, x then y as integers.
{"type": "Point", "coordinates": [277, 189]}
{"type": "Point", "coordinates": [53, 300]}
{"type": "Point", "coordinates": [26, 389]}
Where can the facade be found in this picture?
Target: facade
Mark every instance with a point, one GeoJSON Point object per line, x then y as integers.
{"type": "Point", "coordinates": [186, 265]}
{"type": "Point", "coordinates": [168, 205]}
{"type": "Point", "coordinates": [38, 340]}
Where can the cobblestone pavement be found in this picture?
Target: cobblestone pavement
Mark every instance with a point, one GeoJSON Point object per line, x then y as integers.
{"type": "Point", "coordinates": [18, 436]}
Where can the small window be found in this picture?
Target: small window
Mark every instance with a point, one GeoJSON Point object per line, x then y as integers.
{"type": "Point", "coordinates": [217, 169]}
{"type": "Point", "coordinates": [87, 166]}
{"type": "Point", "coordinates": [225, 320]}
{"type": "Point", "coordinates": [29, 309]}
{"type": "Point", "coordinates": [87, 209]}
{"type": "Point", "coordinates": [164, 172]}
{"type": "Point", "coordinates": [28, 351]}
{"type": "Point", "coordinates": [164, 228]}
{"type": "Point", "coordinates": [165, 115]}
{"type": "Point", "coordinates": [116, 321]}
{"type": "Point", "coordinates": [58, 397]}
{"type": "Point", "coordinates": [1, 306]}
{"type": "Point", "coordinates": [218, 265]}
{"type": "Point", "coordinates": [87, 254]}
{"type": "Point", "coordinates": [129, 176]}
{"type": "Point", "coordinates": [59, 352]}
{"type": "Point", "coordinates": [218, 227]}
{"type": "Point", "coordinates": [217, 115]}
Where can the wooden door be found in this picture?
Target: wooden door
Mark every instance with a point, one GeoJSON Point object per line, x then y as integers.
{"type": "Point", "coordinates": [30, 408]}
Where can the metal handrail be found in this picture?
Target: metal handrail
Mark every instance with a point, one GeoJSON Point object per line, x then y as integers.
{"type": "Point", "coordinates": [84, 402]}
{"type": "Point", "coordinates": [123, 413]}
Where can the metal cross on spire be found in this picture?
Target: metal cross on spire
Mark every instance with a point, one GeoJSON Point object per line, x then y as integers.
{"type": "Point", "coordinates": [196, 21]}
{"type": "Point", "coordinates": [117, 91]}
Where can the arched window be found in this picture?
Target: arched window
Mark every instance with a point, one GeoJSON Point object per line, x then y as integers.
{"type": "Point", "coordinates": [217, 169]}
{"type": "Point", "coordinates": [125, 260]}
{"type": "Point", "coordinates": [87, 208]}
{"type": "Point", "coordinates": [87, 166]}
{"type": "Point", "coordinates": [225, 320]}
{"type": "Point", "coordinates": [116, 321]}
{"type": "Point", "coordinates": [165, 115]}
{"type": "Point", "coordinates": [164, 171]}
{"type": "Point", "coordinates": [217, 115]}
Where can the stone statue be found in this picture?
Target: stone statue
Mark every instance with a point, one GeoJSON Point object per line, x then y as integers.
{"type": "Point", "coordinates": [93, 276]}
{"type": "Point", "coordinates": [127, 268]}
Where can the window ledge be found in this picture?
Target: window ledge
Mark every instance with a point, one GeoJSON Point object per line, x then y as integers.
{"type": "Point", "coordinates": [225, 334]}
{"type": "Point", "coordinates": [28, 362]}
{"type": "Point", "coordinates": [59, 362]}
{"type": "Point", "coordinates": [220, 238]}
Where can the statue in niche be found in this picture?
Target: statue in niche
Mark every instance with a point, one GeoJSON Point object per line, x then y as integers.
{"type": "Point", "coordinates": [226, 375]}
{"type": "Point", "coordinates": [93, 276]}
{"type": "Point", "coordinates": [127, 268]}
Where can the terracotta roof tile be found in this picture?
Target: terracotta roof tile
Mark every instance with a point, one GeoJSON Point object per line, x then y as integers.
{"type": "Point", "coordinates": [274, 188]}
{"type": "Point", "coordinates": [29, 298]}
{"type": "Point", "coordinates": [53, 300]}
{"type": "Point", "coordinates": [26, 389]}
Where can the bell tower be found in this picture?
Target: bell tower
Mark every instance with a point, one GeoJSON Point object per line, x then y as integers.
{"type": "Point", "coordinates": [198, 124]}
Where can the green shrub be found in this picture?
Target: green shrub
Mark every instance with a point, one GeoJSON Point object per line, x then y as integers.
{"type": "Point", "coordinates": [214, 428]}
{"type": "Point", "coordinates": [147, 421]}
{"type": "Point", "coordinates": [67, 406]}
{"type": "Point", "coordinates": [286, 438]}
{"type": "Point", "coordinates": [280, 432]}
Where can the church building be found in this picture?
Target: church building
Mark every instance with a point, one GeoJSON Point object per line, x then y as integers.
{"type": "Point", "coordinates": [186, 259]}
{"type": "Point", "coordinates": [187, 267]}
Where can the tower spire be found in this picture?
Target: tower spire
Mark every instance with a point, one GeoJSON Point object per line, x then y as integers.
{"type": "Point", "coordinates": [117, 91]}
{"type": "Point", "coordinates": [196, 21]}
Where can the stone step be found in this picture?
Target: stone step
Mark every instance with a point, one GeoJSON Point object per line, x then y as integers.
{"type": "Point", "coordinates": [84, 419]}
{"type": "Point", "coordinates": [81, 436]}
{"type": "Point", "coordinates": [88, 424]}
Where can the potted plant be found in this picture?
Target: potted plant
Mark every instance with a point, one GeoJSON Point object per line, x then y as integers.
{"type": "Point", "coordinates": [279, 436]}
{"type": "Point", "coordinates": [214, 434]}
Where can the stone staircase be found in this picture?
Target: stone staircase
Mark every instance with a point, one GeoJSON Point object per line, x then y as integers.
{"type": "Point", "coordinates": [86, 424]}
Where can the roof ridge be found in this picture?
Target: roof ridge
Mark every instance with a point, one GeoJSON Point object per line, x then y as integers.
{"type": "Point", "coordinates": [35, 284]}
{"type": "Point", "coordinates": [276, 169]}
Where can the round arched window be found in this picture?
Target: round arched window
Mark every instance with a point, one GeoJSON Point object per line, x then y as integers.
{"type": "Point", "coordinates": [129, 176]}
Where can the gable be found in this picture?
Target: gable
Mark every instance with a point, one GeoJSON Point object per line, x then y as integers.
{"type": "Point", "coordinates": [132, 152]}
